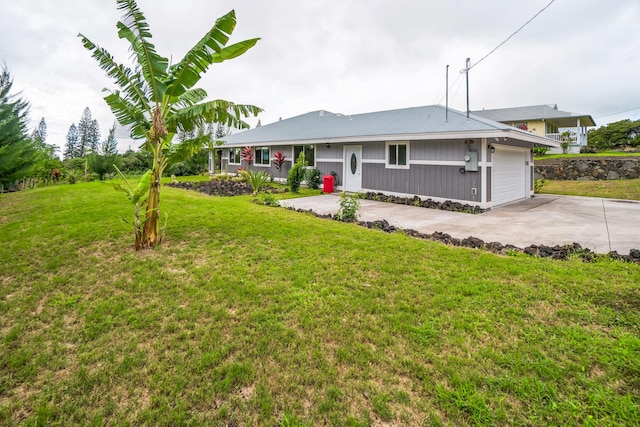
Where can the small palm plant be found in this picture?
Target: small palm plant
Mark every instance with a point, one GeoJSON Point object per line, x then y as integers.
{"type": "Point", "coordinates": [256, 180]}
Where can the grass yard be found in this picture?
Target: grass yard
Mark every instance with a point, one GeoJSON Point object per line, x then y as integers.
{"type": "Point", "coordinates": [250, 315]}
{"type": "Point", "coordinates": [614, 189]}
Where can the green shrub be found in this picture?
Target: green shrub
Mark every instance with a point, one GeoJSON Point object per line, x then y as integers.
{"type": "Point", "coordinates": [540, 151]}
{"type": "Point", "coordinates": [587, 149]}
{"type": "Point", "coordinates": [539, 184]}
{"type": "Point", "coordinates": [349, 206]}
{"type": "Point", "coordinates": [296, 174]}
{"type": "Point", "coordinates": [269, 199]}
{"type": "Point", "coordinates": [312, 176]}
{"type": "Point", "coordinates": [565, 140]}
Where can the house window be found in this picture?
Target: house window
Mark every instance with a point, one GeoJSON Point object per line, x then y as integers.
{"type": "Point", "coordinates": [262, 156]}
{"type": "Point", "coordinates": [234, 156]}
{"type": "Point", "coordinates": [521, 126]}
{"type": "Point", "coordinates": [309, 152]}
{"type": "Point", "coordinates": [398, 155]}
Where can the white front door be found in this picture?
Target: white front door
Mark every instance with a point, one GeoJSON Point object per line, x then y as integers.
{"type": "Point", "coordinates": [352, 168]}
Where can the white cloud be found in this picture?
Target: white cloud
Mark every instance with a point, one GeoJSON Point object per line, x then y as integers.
{"type": "Point", "coordinates": [346, 56]}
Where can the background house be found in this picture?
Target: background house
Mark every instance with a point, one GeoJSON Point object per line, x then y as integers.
{"type": "Point", "coordinates": [425, 151]}
{"type": "Point", "coordinates": [544, 120]}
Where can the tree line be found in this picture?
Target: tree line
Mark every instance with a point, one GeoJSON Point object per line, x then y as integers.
{"type": "Point", "coordinates": [27, 160]}
{"type": "Point", "coordinates": [617, 135]}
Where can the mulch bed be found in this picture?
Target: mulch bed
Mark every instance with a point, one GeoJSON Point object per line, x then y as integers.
{"type": "Point", "coordinates": [428, 203]}
{"type": "Point", "coordinates": [226, 188]}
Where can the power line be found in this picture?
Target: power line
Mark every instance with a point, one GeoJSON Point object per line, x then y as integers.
{"type": "Point", "coordinates": [512, 34]}
{"type": "Point", "coordinates": [619, 112]}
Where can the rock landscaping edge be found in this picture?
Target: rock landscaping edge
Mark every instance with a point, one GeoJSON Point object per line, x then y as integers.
{"type": "Point", "coordinates": [230, 188]}
{"type": "Point", "coordinates": [543, 251]}
{"type": "Point", "coordinates": [225, 188]}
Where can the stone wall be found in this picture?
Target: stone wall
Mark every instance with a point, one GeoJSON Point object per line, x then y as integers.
{"type": "Point", "coordinates": [588, 168]}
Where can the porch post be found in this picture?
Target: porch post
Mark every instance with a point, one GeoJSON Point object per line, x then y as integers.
{"type": "Point", "coordinates": [579, 133]}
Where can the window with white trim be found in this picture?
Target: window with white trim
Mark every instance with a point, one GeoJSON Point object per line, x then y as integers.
{"type": "Point", "coordinates": [234, 156]}
{"type": "Point", "coordinates": [397, 155]}
{"type": "Point", "coordinates": [262, 156]}
{"type": "Point", "coordinates": [309, 152]}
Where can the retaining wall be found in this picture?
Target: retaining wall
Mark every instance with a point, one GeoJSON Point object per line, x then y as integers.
{"type": "Point", "coordinates": [588, 168]}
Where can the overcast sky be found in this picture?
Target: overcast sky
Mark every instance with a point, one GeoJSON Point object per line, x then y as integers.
{"type": "Point", "coordinates": [344, 56]}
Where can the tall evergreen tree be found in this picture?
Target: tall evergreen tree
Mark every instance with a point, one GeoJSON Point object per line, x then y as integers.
{"type": "Point", "coordinates": [72, 148]}
{"type": "Point", "coordinates": [17, 153]}
{"type": "Point", "coordinates": [94, 135]}
{"type": "Point", "coordinates": [102, 159]}
{"type": "Point", "coordinates": [88, 134]}
{"type": "Point", "coordinates": [40, 132]}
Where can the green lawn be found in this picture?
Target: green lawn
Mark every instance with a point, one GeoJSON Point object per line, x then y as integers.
{"type": "Point", "coordinates": [249, 315]}
{"type": "Point", "coordinates": [614, 189]}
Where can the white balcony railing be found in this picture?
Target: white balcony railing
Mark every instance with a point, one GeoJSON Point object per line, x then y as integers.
{"type": "Point", "coordinates": [576, 139]}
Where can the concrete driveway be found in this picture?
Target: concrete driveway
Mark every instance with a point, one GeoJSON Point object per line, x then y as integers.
{"type": "Point", "coordinates": [601, 225]}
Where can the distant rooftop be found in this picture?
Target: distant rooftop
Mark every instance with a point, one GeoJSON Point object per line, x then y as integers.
{"type": "Point", "coordinates": [416, 122]}
{"type": "Point", "coordinates": [537, 112]}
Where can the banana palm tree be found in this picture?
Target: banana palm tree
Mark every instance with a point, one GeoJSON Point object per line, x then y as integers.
{"type": "Point", "coordinates": [157, 99]}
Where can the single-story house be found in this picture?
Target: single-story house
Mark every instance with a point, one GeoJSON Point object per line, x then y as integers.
{"type": "Point", "coordinates": [544, 120]}
{"type": "Point", "coordinates": [426, 151]}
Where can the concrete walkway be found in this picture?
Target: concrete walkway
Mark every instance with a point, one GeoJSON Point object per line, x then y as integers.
{"type": "Point", "coordinates": [601, 225]}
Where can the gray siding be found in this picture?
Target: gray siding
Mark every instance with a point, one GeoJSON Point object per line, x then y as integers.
{"type": "Point", "coordinates": [373, 151]}
{"type": "Point", "coordinates": [440, 150]}
{"type": "Point", "coordinates": [333, 152]}
{"type": "Point", "coordinates": [428, 181]}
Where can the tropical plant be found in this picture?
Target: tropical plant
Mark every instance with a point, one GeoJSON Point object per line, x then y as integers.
{"type": "Point", "coordinates": [256, 180]}
{"type": "Point", "coordinates": [349, 206]}
{"type": "Point", "coordinates": [156, 98]}
{"type": "Point", "coordinates": [296, 174]}
{"type": "Point", "coordinates": [278, 161]}
{"type": "Point", "coordinates": [312, 177]}
{"type": "Point", "coordinates": [138, 195]}
{"type": "Point", "coordinates": [248, 156]}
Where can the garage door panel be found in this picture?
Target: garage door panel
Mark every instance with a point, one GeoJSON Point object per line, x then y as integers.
{"type": "Point", "coordinates": [508, 176]}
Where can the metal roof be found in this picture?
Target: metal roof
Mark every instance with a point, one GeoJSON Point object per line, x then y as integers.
{"type": "Point", "coordinates": [427, 122]}
{"type": "Point", "coordinates": [537, 112]}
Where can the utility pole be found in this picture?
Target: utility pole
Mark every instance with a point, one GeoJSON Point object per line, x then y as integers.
{"type": "Point", "coordinates": [466, 70]}
{"type": "Point", "coordinates": [446, 110]}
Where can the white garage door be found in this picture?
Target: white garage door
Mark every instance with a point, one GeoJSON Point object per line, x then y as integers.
{"type": "Point", "coordinates": [508, 175]}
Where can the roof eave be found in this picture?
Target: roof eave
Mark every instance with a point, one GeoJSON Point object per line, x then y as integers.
{"type": "Point", "coordinates": [493, 133]}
